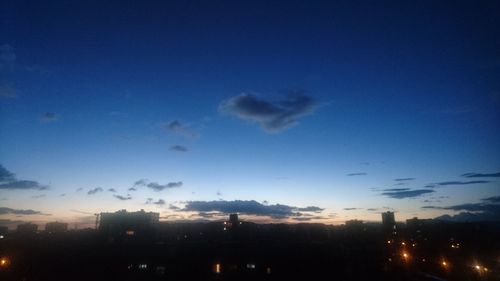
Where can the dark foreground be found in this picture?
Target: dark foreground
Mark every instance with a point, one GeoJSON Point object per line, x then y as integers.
{"type": "Point", "coordinates": [196, 253]}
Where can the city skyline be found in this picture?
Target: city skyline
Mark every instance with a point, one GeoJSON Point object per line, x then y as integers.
{"type": "Point", "coordinates": [297, 112]}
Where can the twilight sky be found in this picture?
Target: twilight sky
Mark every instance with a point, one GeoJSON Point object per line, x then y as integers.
{"type": "Point", "coordinates": [284, 111]}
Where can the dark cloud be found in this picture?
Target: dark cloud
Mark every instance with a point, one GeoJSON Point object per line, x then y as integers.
{"type": "Point", "coordinates": [180, 129]}
{"type": "Point", "coordinates": [273, 117]}
{"type": "Point", "coordinates": [48, 117]}
{"type": "Point", "coordinates": [132, 189]}
{"type": "Point", "coordinates": [396, 189]}
{"type": "Point", "coordinates": [372, 209]}
{"type": "Point", "coordinates": [149, 201]}
{"type": "Point", "coordinates": [94, 191]}
{"type": "Point", "coordinates": [141, 182]}
{"type": "Point", "coordinates": [218, 193]}
{"type": "Point", "coordinates": [479, 175]}
{"type": "Point", "coordinates": [112, 190]}
{"type": "Point", "coordinates": [404, 179]}
{"type": "Point", "coordinates": [430, 186]}
{"type": "Point", "coordinates": [493, 199]}
{"type": "Point", "coordinates": [123, 198]}
{"type": "Point", "coordinates": [173, 207]}
{"type": "Point", "coordinates": [62, 194]}
{"type": "Point", "coordinates": [311, 209]}
{"type": "Point", "coordinates": [9, 181]}
{"type": "Point", "coordinates": [407, 193]}
{"type": "Point", "coordinates": [178, 148]}
{"type": "Point", "coordinates": [250, 207]}
{"type": "Point", "coordinates": [460, 182]}
{"type": "Point", "coordinates": [351, 209]}
{"type": "Point", "coordinates": [160, 202]}
{"type": "Point", "coordinates": [356, 174]}
{"type": "Point", "coordinates": [473, 211]}
{"type": "Point", "coordinates": [159, 187]}
{"type": "Point", "coordinates": [79, 189]}
{"type": "Point", "coordinates": [6, 211]}
{"type": "Point", "coordinates": [4, 222]}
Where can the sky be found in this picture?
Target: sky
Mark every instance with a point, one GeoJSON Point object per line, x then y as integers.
{"type": "Point", "coordinates": [282, 111]}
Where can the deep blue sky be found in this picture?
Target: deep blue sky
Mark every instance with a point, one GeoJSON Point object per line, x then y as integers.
{"type": "Point", "coordinates": [272, 101]}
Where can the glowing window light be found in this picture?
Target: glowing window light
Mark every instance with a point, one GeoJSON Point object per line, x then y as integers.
{"type": "Point", "coordinates": [444, 263]}
{"type": "Point", "coordinates": [388, 241]}
{"type": "Point", "coordinates": [217, 268]}
{"type": "Point", "coordinates": [268, 270]}
{"type": "Point", "coordinates": [4, 262]}
{"type": "Point", "coordinates": [403, 243]}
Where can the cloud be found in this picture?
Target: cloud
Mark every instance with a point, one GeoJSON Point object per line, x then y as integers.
{"type": "Point", "coordinates": [38, 196]}
{"type": "Point", "coordinates": [460, 182]}
{"type": "Point", "coordinates": [94, 191]}
{"type": "Point", "coordinates": [404, 179]}
{"type": "Point", "coordinates": [173, 207]}
{"type": "Point", "coordinates": [178, 148]}
{"type": "Point", "coordinates": [6, 211]}
{"type": "Point", "coordinates": [407, 193]}
{"type": "Point", "coordinates": [479, 175]}
{"type": "Point", "coordinates": [160, 202]}
{"type": "Point", "coordinates": [396, 189]}
{"type": "Point", "coordinates": [79, 189]}
{"type": "Point", "coordinates": [351, 209]}
{"type": "Point", "coordinates": [156, 186]}
{"type": "Point", "coordinates": [489, 211]}
{"type": "Point", "coordinates": [48, 117]}
{"type": "Point", "coordinates": [178, 128]}
{"type": "Point", "coordinates": [123, 198]}
{"type": "Point", "coordinates": [112, 190]}
{"type": "Point", "coordinates": [356, 174]}
{"type": "Point", "coordinates": [141, 182]}
{"type": "Point", "coordinates": [250, 207]}
{"type": "Point", "coordinates": [132, 189]}
{"type": "Point", "coordinates": [9, 181]}
{"type": "Point", "coordinates": [7, 91]}
{"type": "Point", "coordinates": [273, 117]}
{"type": "Point", "coordinates": [493, 199]}
{"type": "Point", "coordinates": [311, 209]}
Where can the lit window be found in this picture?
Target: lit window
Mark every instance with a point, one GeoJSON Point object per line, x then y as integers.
{"type": "Point", "coordinates": [217, 268]}
{"type": "Point", "coordinates": [130, 232]}
{"type": "Point", "coordinates": [143, 266]}
{"type": "Point", "coordinates": [250, 265]}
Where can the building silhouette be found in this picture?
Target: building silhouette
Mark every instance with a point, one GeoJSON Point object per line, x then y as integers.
{"type": "Point", "coordinates": [27, 228]}
{"type": "Point", "coordinates": [56, 227]}
{"type": "Point", "coordinates": [123, 223]}
{"type": "Point", "coordinates": [389, 224]}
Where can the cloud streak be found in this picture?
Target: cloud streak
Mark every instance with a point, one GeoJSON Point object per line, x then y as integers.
{"type": "Point", "coordinates": [407, 193]}
{"type": "Point", "coordinates": [273, 117]}
{"type": "Point", "coordinates": [6, 211]}
{"type": "Point", "coordinates": [95, 190]}
{"type": "Point", "coordinates": [8, 181]}
{"type": "Point", "coordinates": [356, 174]}
{"type": "Point", "coordinates": [480, 175]}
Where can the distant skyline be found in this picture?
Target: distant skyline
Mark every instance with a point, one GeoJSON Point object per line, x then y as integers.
{"type": "Point", "coordinates": [282, 111]}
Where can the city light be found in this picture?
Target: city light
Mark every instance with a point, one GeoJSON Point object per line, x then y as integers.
{"type": "Point", "coordinates": [217, 268]}
{"type": "Point", "coordinates": [4, 262]}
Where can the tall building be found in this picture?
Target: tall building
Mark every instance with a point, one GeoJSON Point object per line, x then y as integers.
{"type": "Point", "coordinates": [27, 228]}
{"type": "Point", "coordinates": [123, 223]}
{"type": "Point", "coordinates": [389, 223]}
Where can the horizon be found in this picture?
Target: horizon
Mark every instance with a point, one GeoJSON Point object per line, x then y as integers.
{"type": "Point", "coordinates": [282, 112]}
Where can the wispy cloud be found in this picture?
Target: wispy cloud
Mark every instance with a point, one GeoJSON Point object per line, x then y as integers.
{"type": "Point", "coordinates": [181, 129]}
{"type": "Point", "coordinates": [407, 193]}
{"type": "Point", "coordinates": [48, 117]}
{"type": "Point", "coordinates": [6, 211]}
{"type": "Point", "coordinates": [474, 211]}
{"type": "Point", "coordinates": [95, 190]}
{"type": "Point", "coordinates": [444, 183]}
{"type": "Point", "coordinates": [480, 175]}
{"type": "Point", "coordinates": [493, 199]}
{"type": "Point", "coordinates": [356, 174]}
{"type": "Point", "coordinates": [111, 190]}
{"type": "Point", "coordinates": [404, 179]}
{"type": "Point", "coordinates": [178, 148]}
{"type": "Point", "coordinates": [9, 181]}
{"type": "Point", "coordinates": [123, 198]}
{"type": "Point", "coordinates": [396, 189]}
{"type": "Point", "coordinates": [350, 209]}
{"type": "Point", "coordinates": [273, 117]}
